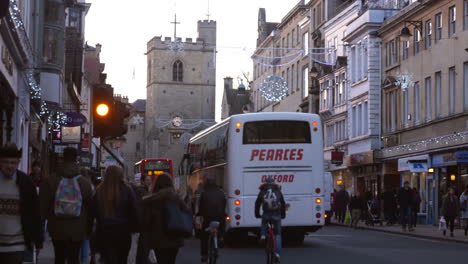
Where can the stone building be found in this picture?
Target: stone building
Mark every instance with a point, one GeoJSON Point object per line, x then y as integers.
{"type": "Point", "coordinates": [425, 100]}
{"type": "Point", "coordinates": [235, 101]}
{"type": "Point", "coordinates": [180, 91]}
{"type": "Point", "coordinates": [133, 150]}
{"type": "Point", "coordinates": [282, 50]}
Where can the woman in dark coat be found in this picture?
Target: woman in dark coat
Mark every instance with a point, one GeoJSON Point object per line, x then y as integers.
{"type": "Point", "coordinates": [166, 246]}
{"type": "Point", "coordinates": [450, 209]}
{"type": "Point", "coordinates": [115, 210]}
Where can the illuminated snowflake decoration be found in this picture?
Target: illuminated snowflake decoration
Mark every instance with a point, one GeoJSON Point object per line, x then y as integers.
{"type": "Point", "coordinates": [274, 88]}
{"type": "Point", "coordinates": [404, 81]}
{"type": "Point", "coordinates": [175, 46]}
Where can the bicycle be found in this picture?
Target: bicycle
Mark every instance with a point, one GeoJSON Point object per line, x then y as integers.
{"type": "Point", "coordinates": [212, 230]}
{"type": "Point", "coordinates": [270, 245]}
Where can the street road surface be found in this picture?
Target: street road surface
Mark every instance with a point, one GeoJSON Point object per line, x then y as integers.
{"type": "Point", "coordinates": [338, 245]}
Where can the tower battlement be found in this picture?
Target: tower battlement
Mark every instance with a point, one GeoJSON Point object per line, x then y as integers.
{"type": "Point", "coordinates": [160, 42]}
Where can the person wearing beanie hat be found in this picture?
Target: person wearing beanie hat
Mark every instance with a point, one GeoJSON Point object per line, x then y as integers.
{"type": "Point", "coordinates": [20, 221]}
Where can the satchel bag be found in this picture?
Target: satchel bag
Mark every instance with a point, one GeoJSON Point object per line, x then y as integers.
{"type": "Point", "coordinates": [179, 222]}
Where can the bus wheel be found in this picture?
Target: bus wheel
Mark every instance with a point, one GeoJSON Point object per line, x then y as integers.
{"type": "Point", "coordinates": [295, 239]}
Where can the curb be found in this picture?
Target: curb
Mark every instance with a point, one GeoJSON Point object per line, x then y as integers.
{"type": "Point", "coordinates": [408, 234]}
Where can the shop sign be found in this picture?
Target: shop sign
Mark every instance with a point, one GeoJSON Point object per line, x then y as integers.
{"type": "Point", "coordinates": [74, 119]}
{"type": "Point", "coordinates": [414, 164]}
{"type": "Point", "coordinates": [360, 159]}
{"type": "Point", "coordinates": [71, 134]}
{"type": "Point", "coordinates": [337, 157]}
{"type": "Point", "coordinates": [418, 165]}
{"type": "Point", "coordinates": [462, 156]}
{"type": "Point", "coordinates": [450, 159]}
{"type": "Point", "coordinates": [86, 142]}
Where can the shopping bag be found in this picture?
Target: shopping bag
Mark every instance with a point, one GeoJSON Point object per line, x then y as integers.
{"type": "Point", "coordinates": [347, 219]}
{"type": "Point", "coordinates": [442, 224]}
{"type": "Point", "coordinates": [178, 221]}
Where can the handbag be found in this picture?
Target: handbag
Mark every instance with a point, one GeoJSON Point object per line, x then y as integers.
{"type": "Point", "coordinates": [179, 222]}
{"type": "Point", "coordinates": [442, 224]}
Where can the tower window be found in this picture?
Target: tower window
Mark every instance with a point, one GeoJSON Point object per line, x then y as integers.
{"type": "Point", "coordinates": [177, 71]}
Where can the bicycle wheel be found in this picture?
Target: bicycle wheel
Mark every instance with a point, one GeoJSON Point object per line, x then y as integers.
{"type": "Point", "coordinates": [212, 254]}
{"type": "Point", "coordinates": [270, 250]}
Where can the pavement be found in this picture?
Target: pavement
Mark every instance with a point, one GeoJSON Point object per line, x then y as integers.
{"type": "Point", "coordinates": [331, 244]}
{"type": "Point", "coordinates": [421, 231]}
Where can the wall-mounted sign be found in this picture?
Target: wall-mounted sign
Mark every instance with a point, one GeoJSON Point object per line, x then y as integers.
{"type": "Point", "coordinates": [71, 134]}
{"type": "Point", "coordinates": [74, 119]}
{"type": "Point", "coordinates": [337, 157]}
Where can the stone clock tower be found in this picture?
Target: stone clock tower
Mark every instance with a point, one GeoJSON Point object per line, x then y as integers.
{"type": "Point", "coordinates": [180, 91]}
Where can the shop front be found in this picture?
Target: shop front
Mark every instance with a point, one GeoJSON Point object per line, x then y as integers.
{"type": "Point", "coordinates": [451, 170]}
{"type": "Point", "coordinates": [415, 170]}
{"type": "Point", "coordinates": [366, 174]}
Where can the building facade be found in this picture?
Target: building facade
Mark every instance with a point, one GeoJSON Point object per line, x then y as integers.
{"type": "Point", "coordinates": [180, 91]}
{"type": "Point", "coordinates": [282, 50]}
{"type": "Point", "coordinates": [133, 150]}
{"type": "Point", "coordinates": [425, 100]}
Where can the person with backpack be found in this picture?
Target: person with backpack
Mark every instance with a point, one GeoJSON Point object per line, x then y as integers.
{"type": "Point", "coordinates": [115, 211]}
{"type": "Point", "coordinates": [464, 208]}
{"type": "Point", "coordinates": [271, 201]}
{"type": "Point", "coordinates": [65, 202]}
{"type": "Point", "coordinates": [20, 221]}
{"type": "Point", "coordinates": [212, 207]}
{"type": "Point", "coordinates": [157, 208]}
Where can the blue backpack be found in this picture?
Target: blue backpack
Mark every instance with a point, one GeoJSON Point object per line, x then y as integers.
{"type": "Point", "coordinates": [68, 198]}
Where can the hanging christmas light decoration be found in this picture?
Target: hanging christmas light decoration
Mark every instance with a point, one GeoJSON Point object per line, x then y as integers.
{"type": "Point", "coordinates": [404, 80]}
{"type": "Point", "coordinates": [428, 144]}
{"type": "Point", "coordinates": [274, 88]}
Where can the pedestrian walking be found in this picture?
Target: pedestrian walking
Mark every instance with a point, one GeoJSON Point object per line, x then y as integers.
{"type": "Point", "coordinates": [464, 208]}
{"type": "Point", "coordinates": [115, 211]}
{"type": "Point", "coordinates": [357, 205]}
{"type": "Point", "coordinates": [450, 209]}
{"type": "Point", "coordinates": [165, 244]}
{"type": "Point", "coordinates": [36, 173]}
{"type": "Point", "coordinates": [342, 200]}
{"type": "Point", "coordinates": [405, 201]}
{"type": "Point", "coordinates": [20, 221]}
{"type": "Point", "coordinates": [333, 204]}
{"type": "Point", "coordinates": [65, 202]}
{"type": "Point", "coordinates": [416, 203]}
{"type": "Point", "coordinates": [141, 190]}
{"type": "Point", "coordinates": [389, 206]}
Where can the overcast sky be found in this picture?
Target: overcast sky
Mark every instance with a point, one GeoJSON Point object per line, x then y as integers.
{"type": "Point", "coordinates": [124, 28]}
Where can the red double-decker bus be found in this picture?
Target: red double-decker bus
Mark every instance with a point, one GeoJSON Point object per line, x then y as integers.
{"type": "Point", "coordinates": [153, 167]}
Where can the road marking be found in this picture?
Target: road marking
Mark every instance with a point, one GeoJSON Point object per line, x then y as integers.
{"type": "Point", "coordinates": [315, 235]}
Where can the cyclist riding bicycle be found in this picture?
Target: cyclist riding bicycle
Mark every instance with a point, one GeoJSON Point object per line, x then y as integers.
{"type": "Point", "coordinates": [271, 200]}
{"type": "Point", "coordinates": [212, 207]}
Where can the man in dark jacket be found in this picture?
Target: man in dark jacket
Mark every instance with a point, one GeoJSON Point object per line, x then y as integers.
{"type": "Point", "coordinates": [342, 200]}
{"type": "Point", "coordinates": [67, 233]}
{"type": "Point", "coordinates": [212, 207]}
{"type": "Point", "coordinates": [20, 225]}
{"type": "Point", "coordinates": [405, 202]}
{"type": "Point", "coordinates": [271, 200]}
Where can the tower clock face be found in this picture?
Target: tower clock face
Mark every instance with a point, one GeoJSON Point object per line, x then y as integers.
{"type": "Point", "coordinates": [177, 121]}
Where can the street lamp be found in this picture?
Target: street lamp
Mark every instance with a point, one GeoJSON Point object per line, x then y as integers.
{"type": "Point", "coordinates": [405, 33]}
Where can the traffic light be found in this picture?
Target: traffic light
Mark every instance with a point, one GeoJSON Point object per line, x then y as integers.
{"type": "Point", "coordinates": [120, 122]}
{"type": "Point", "coordinates": [103, 108]}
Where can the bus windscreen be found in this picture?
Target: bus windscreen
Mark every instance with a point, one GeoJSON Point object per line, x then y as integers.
{"type": "Point", "coordinates": [276, 132]}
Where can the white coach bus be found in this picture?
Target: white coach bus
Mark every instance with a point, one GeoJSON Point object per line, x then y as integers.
{"type": "Point", "coordinates": [244, 150]}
